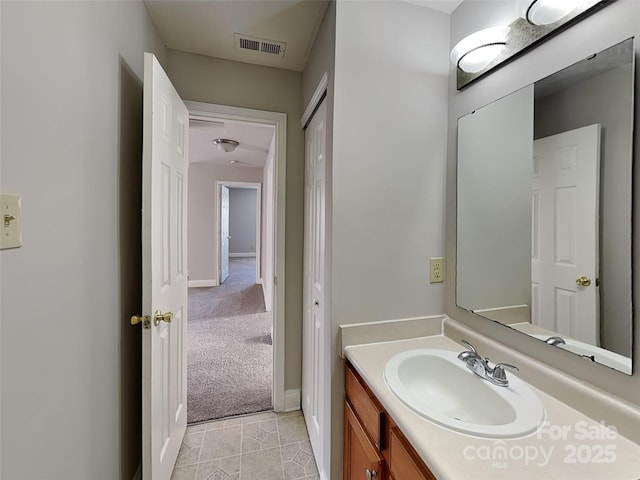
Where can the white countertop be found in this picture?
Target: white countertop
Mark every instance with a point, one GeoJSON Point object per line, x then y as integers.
{"type": "Point", "coordinates": [569, 446]}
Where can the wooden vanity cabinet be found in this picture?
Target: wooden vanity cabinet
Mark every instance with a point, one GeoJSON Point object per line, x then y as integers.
{"type": "Point", "coordinates": [374, 447]}
{"type": "Point", "coordinates": [362, 459]}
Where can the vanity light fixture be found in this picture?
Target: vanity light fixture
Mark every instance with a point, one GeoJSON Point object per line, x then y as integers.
{"type": "Point", "coordinates": [545, 12]}
{"type": "Point", "coordinates": [225, 144]}
{"type": "Point", "coordinates": [474, 53]}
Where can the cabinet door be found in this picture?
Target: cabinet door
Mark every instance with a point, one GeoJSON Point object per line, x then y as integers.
{"type": "Point", "coordinates": [362, 461]}
{"type": "Point", "coordinates": [403, 463]}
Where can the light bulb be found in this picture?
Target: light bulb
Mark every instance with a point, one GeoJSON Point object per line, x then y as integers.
{"type": "Point", "coordinates": [474, 53]}
{"type": "Point", "coordinates": [544, 12]}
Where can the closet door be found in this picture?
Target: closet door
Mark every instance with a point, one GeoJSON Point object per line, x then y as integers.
{"type": "Point", "coordinates": [316, 380]}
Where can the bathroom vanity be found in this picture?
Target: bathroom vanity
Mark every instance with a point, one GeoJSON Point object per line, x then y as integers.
{"type": "Point", "coordinates": [374, 446]}
{"type": "Point", "coordinates": [385, 439]}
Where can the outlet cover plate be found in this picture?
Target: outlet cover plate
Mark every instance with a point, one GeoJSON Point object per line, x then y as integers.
{"type": "Point", "coordinates": [436, 270]}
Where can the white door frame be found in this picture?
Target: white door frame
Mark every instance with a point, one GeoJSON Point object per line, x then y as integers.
{"type": "Point", "coordinates": [258, 188]}
{"type": "Point", "coordinates": [279, 121]}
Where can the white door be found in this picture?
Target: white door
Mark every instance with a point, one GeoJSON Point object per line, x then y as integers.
{"type": "Point", "coordinates": [164, 297]}
{"type": "Point", "coordinates": [224, 233]}
{"type": "Point", "coordinates": [565, 210]}
{"type": "Point", "coordinates": [315, 394]}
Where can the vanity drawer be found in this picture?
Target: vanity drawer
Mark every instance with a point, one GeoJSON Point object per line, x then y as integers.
{"type": "Point", "coordinates": [403, 461]}
{"type": "Point", "coordinates": [365, 407]}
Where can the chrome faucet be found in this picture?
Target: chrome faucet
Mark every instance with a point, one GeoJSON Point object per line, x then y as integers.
{"type": "Point", "coordinates": [481, 367]}
{"type": "Point", "coordinates": [555, 341]}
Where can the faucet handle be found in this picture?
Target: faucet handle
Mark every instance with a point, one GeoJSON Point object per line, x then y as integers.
{"type": "Point", "coordinates": [469, 346]}
{"type": "Point", "coordinates": [469, 354]}
{"type": "Point", "coordinates": [555, 341]}
{"type": "Point", "coordinates": [499, 373]}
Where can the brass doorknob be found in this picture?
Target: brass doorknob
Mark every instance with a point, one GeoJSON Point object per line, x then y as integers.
{"type": "Point", "coordinates": [162, 317]}
{"type": "Point", "coordinates": [583, 281]}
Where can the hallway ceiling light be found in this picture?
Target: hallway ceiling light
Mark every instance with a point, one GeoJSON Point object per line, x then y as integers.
{"type": "Point", "coordinates": [544, 12]}
{"type": "Point", "coordinates": [475, 52]}
{"type": "Point", "coordinates": [225, 144]}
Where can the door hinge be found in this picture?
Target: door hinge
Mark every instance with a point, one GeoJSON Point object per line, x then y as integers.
{"type": "Point", "coordinates": [275, 280]}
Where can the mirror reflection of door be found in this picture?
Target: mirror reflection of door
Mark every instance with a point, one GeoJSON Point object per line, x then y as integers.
{"type": "Point", "coordinates": [565, 233]}
{"type": "Point", "coordinates": [224, 234]}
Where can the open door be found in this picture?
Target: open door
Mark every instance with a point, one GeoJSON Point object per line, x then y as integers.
{"type": "Point", "coordinates": [224, 233]}
{"type": "Point", "coordinates": [164, 276]}
{"type": "Point", "coordinates": [565, 212]}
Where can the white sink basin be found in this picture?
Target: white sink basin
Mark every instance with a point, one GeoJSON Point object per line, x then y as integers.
{"type": "Point", "coordinates": [439, 387]}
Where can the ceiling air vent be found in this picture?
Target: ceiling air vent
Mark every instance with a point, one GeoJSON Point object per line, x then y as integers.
{"type": "Point", "coordinates": [272, 47]}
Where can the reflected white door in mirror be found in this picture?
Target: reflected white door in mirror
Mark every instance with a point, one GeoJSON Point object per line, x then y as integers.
{"type": "Point", "coordinates": [564, 233]}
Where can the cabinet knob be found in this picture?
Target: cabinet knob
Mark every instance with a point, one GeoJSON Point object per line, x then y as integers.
{"type": "Point", "coordinates": [371, 474]}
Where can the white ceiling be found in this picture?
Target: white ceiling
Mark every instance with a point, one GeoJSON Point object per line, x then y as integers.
{"type": "Point", "coordinates": [207, 27]}
{"type": "Point", "coordinates": [446, 6]}
{"type": "Point", "coordinates": [253, 149]}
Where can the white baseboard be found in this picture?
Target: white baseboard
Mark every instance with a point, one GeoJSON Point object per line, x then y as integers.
{"type": "Point", "coordinates": [238, 255]}
{"type": "Point", "coordinates": [203, 283]}
{"type": "Point", "coordinates": [138, 475]}
{"type": "Point", "coordinates": [292, 400]}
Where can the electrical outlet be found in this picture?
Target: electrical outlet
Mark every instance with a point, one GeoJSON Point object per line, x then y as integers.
{"type": "Point", "coordinates": [436, 270]}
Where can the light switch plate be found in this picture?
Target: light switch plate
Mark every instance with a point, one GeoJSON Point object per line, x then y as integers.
{"type": "Point", "coordinates": [10, 221]}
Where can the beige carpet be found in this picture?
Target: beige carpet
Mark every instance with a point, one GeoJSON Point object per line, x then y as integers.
{"type": "Point", "coordinates": [238, 295]}
{"type": "Point", "coordinates": [230, 357]}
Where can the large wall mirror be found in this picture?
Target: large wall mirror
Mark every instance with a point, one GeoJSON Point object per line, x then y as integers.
{"type": "Point", "coordinates": [544, 208]}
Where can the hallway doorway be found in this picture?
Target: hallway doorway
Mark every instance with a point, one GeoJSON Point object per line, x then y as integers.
{"type": "Point", "coordinates": [230, 367]}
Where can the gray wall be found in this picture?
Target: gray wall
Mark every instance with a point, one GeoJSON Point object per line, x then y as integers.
{"type": "Point", "coordinates": [389, 156]}
{"type": "Point", "coordinates": [614, 23]}
{"type": "Point", "coordinates": [605, 99]}
{"type": "Point", "coordinates": [494, 204]}
{"type": "Point", "coordinates": [242, 220]}
{"type": "Point", "coordinates": [211, 80]}
{"type": "Point", "coordinates": [71, 146]}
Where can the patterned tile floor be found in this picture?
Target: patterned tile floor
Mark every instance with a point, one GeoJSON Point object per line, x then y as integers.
{"type": "Point", "coordinates": [273, 446]}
